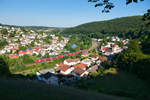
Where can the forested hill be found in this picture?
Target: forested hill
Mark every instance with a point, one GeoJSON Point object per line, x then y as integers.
{"type": "Point", "coordinates": [35, 28]}
{"type": "Point", "coordinates": [119, 25]}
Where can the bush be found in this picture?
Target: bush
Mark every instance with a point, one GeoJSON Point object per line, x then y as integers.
{"type": "Point", "coordinates": [4, 68]}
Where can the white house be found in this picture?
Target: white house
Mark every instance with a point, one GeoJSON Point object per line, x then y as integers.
{"type": "Point", "coordinates": [94, 58]}
{"type": "Point", "coordinates": [71, 62]}
{"type": "Point", "coordinates": [65, 69]}
{"type": "Point", "coordinates": [87, 62]}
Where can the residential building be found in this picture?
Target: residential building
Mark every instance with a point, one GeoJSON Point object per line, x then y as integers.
{"type": "Point", "coordinates": [87, 62]}
{"type": "Point", "coordinates": [65, 69]}
{"type": "Point", "coordinates": [71, 62]}
{"type": "Point", "coordinates": [82, 66]}
{"type": "Point", "coordinates": [78, 72]}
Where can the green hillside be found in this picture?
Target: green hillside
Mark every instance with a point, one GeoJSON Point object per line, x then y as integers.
{"type": "Point", "coordinates": [120, 26]}
{"type": "Point", "coordinates": [26, 90]}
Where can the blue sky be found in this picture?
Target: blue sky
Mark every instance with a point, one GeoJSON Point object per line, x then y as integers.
{"type": "Point", "coordinates": [63, 13]}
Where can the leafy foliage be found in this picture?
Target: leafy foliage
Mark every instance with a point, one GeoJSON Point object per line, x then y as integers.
{"type": "Point", "coordinates": [146, 45]}
{"type": "Point", "coordinates": [146, 17]}
{"type": "Point", "coordinates": [127, 59]}
{"type": "Point", "coordinates": [121, 84]}
{"type": "Point", "coordinates": [82, 42]}
{"type": "Point", "coordinates": [4, 31]}
{"type": "Point", "coordinates": [127, 27]}
{"type": "Point", "coordinates": [108, 5]}
{"type": "Point", "coordinates": [3, 43]}
{"type": "Point", "coordinates": [4, 68]}
{"type": "Point", "coordinates": [133, 60]}
{"type": "Point", "coordinates": [27, 59]}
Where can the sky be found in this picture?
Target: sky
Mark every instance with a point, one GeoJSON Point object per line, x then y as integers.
{"type": "Point", "coordinates": [63, 13]}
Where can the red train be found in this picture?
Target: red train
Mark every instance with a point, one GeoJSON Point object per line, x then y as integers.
{"type": "Point", "coordinates": [58, 57]}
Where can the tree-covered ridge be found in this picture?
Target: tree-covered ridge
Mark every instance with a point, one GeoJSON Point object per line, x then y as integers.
{"type": "Point", "coordinates": [35, 28]}
{"type": "Point", "coordinates": [115, 26]}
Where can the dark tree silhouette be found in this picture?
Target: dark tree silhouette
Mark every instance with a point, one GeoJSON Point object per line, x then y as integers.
{"type": "Point", "coordinates": [4, 68]}
{"type": "Point", "coordinates": [146, 17]}
{"type": "Point", "coordinates": [108, 5]}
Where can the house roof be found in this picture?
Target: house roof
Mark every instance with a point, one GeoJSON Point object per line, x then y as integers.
{"type": "Point", "coordinates": [25, 52]}
{"type": "Point", "coordinates": [82, 66]}
{"type": "Point", "coordinates": [105, 48]}
{"type": "Point", "coordinates": [85, 54]}
{"type": "Point", "coordinates": [103, 58]}
{"type": "Point", "coordinates": [108, 50]}
{"type": "Point", "coordinates": [78, 71]}
{"type": "Point", "coordinates": [115, 45]}
{"type": "Point", "coordinates": [86, 60]}
{"type": "Point", "coordinates": [64, 67]}
{"type": "Point", "coordinates": [93, 68]}
{"type": "Point", "coordinates": [72, 60]}
{"type": "Point", "coordinates": [95, 56]}
{"type": "Point", "coordinates": [13, 56]}
{"type": "Point", "coordinates": [44, 71]}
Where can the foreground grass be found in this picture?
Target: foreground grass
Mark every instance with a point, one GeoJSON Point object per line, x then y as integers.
{"type": "Point", "coordinates": [119, 84]}
{"type": "Point", "coordinates": [27, 90]}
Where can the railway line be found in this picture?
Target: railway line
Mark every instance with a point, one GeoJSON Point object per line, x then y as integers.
{"type": "Point", "coordinates": [58, 57]}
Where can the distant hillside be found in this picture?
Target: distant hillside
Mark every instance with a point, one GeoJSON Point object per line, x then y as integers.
{"type": "Point", "coordinates": [26, 90]}
{"type": "Point", "coordinates": [42, 27]}
{"type": "Point", "coordinates": [36, 28]}
{"type": "Point", "coordinates": [114, 26]}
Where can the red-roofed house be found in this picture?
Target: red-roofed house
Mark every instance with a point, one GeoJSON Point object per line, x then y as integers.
{"type": "Point", "coordinates": [14, 50]}
{"type": "Point", "coordinates": [104, 49]}
{"type": "Point", "coordinates": [13, 56]}
{"type": "Point", "coordinates": [78, 72]}
{"type": "Point", "coordinates": [125, 42]}
{"type": "Point", "coordinates": [27, 52]}
{"type": "Point", "coordinates": [65, 69]}
{"type": "Point", "coordinates": [95, 57]}
{"type": "Point", "coordinates": [82, 66]}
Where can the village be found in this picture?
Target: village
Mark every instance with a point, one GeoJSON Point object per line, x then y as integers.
{"type": "Point", "coordinates": [70, 70]}
{"type": "Point", "coordinates": [39, 47]}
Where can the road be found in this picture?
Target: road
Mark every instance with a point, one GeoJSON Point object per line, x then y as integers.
{"type": "Point", "coordinates": [94, 45]}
